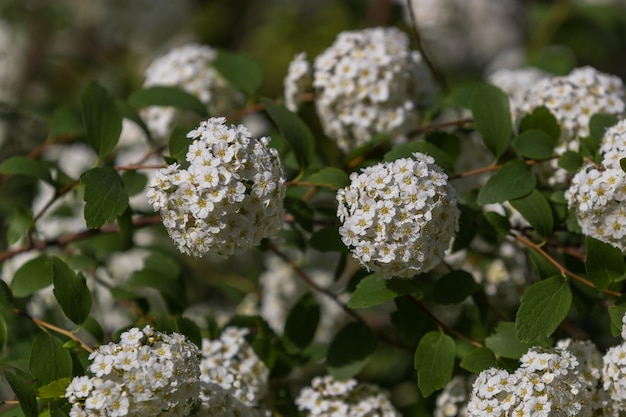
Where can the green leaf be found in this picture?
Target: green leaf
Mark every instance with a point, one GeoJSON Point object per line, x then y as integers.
{"type": "Point", "coordinates": [302, 323]}
{"type": "Point", "coordinates": [71, 292]}
{"type": "Point", "coordinates": [49, 360]}
{"type": "Point", "coordinates": [55, 389]}
{"type": "Point", "coordinates": [105, 196]}
{"type": "Point", "coordinates": [134, 182]}
{"type": "Point", "coordinates": [504, 342]}
{"type": "Point", "coordinates": [513, 180]}
{"type": "Point", "coordinates": [128, 112]}
{"type": "Point", "coordinates": [32, 276]}
{"type": "Point", "coordinates": [542, 267]}
{"type": "Point", "coordinates": [454, 287]}
{"type": "Point", "coordinates": [599, 123]}
{"type": "Point", "coordinates": [373, 290]}
{"type": "Point", "coordinates": [21, 165]}
{"type": "Point", "coordinates": [604, 263]}
{"type": "Point", "coordinates": [534, 144]}
{"type": "Point", "coordinates": [406, 150]}
{"type": "Point", "coordinates": [328, 240]}
{"type": "Point", "coordinates": [492, 116]}
{"type": "Point", "coordinates": [190, 329]}
{"type": "Point", "coordinates": [544, 306]}
{"type": "Point", "coordinates": [168, 96]}
{"type": "Point", "coordinates": [102, 119]}
{"type": "Point", "coordinates": [570, 161]}
{"type": "Point", "coordinates": [4, 334]}
{"type": "Point", "coordinates": [301, 211]}
{"type": "Point", "coordinates": [294, 130]}
{"type": "Point", "coordinates": [434, 361]}
{"type": "Point", "coordinates": [478, 360]}
{"type": "Point", "coordinates": [622, 164]}
{"type": "Point", "coordinates": [164, 274]}
{"type": "Point", "coordinates": [25, 393]}
{"type": "Point", "coordinates": [541, 119]}
{"type": "Point", "coordinates": [616, 312]}
{"type": "Point", "coordinates": [536, 210]}
{"type": "Point", "coordinates": [500, 224]}
{"type": "Point", "coordinates": [6, 296]}
{"type": "Point", "coordinates": [350, 350]}
{"type": "Point", "coordinates": [179, 144]}
{"type": "Point", "coordinates": [19, 224]}
{"type": "Point", "coordinates": [242, 72]}
{"type": "Point", "coordinates": [329, 177]}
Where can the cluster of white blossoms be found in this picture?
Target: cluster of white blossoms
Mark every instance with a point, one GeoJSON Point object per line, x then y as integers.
{"type": "Point", "coordinates": [614, 375]}
{"type": "Point", "coordinates": [597, 193]}
{"type": "Point", "coordinates": [452, 401]}
{"type": "Point", "coordinates": [398, 218]}
{"type": "Point", "coordinates": [328, 397]}
{"type": "Point", "coordinates": [298, 80]}
{"type": "Point", "coordinates": [188, 67]}
{"type": "Point", "coordinates": [230, 367]}
{"type": "Point", "coordinates": [367, 82]}
{"type": "Point", "coordinates": [228, 199]}
{"type": "Point", "coordinates": [146, 373]}
{"type": "Point", "coordinates": [515, 83]}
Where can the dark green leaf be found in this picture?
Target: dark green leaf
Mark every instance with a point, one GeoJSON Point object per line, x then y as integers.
{"type": "Point", "coordinates": [478, 360]}
{"type": "Point", "coordinates": [330, 177]}
{"type": "Point", "coordinates": [21, 165]}
{"type": "Point", "coordinates": [504, 342]}
{"type": "Point", "coordinates": [513, 180]}
{"type": "Point", "coordinates": [454, 287]}
{"type": "Point", "coordinates": [92, 326]}
{"type": "Point", "coordinates": [328, 240]}
{"type": "Point", "coordinates": [500, 224]}
{"type": "Point", "coordinates": [301, 211]}
{"type": "Point", "coordinates": [541, 119]}
{"type": "Point", "coordinates": [570, 161]}
{"type": "Point", "coordinates": [294, 130]}
{"type": "Point", "coordinates": [25, 393]}
{"type": "Point", "coordinates": [32, 276]}
{"type": "Point", "coordinates": [179, 144]}
{"type": "Point", "coordinates": [544, 306]}
{"type": "Point", "coordinates": [616, 312]}
{"type": "Point", "coordinates": [542, 267]}
{"type": "Point", "coordinates": [589, 147]}
{"type": "Point", "coordinates": [242, 72]}
{"type": "Point", "coordinates": [434, 361]}
{"type": "Point", "coordinates": [190, 329]}
{"type": "Point", "coordinates": [447, 142]}
{"type": "Point", "coordinates": [102, 119]}
{"type": "Point", "coordinates": [350, 350]}
{"type": "Point", "coordinates": [168, 96]}
{"type": "Point", "coordinates": [4, 334]}
{"type": "Point", "coordinates": [71, 292]}
{"type": "Point", "coordinates": [105, 196]}
{"type": "Point", "coordinates": [134, 182]}
{"type": "Point", "coordinates": [492, 116]}
{"type": "Point", "coordinates": [302, 323]}
{"type": "Point", "coordinates": [49, 360]}
{"type": "Point", "coordinates": [536, 210]}
{"type": "Point", "coordinates": [604, 263]}
{"type": "Point", "coordinates": [6, 296]}
{"type": "Point", "coordinates": [410, 320]}
{"type": "Point", "coordinates": [162, 273]}
{"type": "Point", "coordinates": [55, 389]}
{"type": "Point", "coordinates": [534, 144]}
{"type": "Point", "coordinates": [598, 124]}
{"type": "Point", "coordinates": [406, 150]}
{"type": "Point", "coordinates": [622, 164]}
{"type": "Point", "coordinates": [372, 291]}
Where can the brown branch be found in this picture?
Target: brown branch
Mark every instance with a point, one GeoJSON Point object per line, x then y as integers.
{"type": "Point", "coordinates": [489, 169]}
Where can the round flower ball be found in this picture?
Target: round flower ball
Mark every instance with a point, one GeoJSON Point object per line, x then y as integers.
{"type": "Point", "coordinates": [369, 82]}
{"type": "Point", "coordinates": [146, 373]}
{"type": "Point", "coordinates": [228, 198]}
{"type": "Point", "coordinates": [597, 193]}
{"type": "Point", "coordinates": [398, 218]}
{"type": "Point", "coordinates": [190, 68]}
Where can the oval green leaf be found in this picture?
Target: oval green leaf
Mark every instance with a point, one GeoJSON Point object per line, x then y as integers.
{"type": "Point", "coordinates": [454, 287]}
{"type": "Point", "coordinates": [242, 72]}
{"type": "Point", "coordinates": [350, 350]}
{"type": "Point", "coordinates": [49, 360]}
{"type": "Point", "coordinates": [21, 165]}
{"type": "Point", "coordinates": [169, 96]}
{"type": "Point", "coordinates": [505, 344]}
{"type": "Point", "coordinates": [434, 361]}
{"type": "Point", "coordinates": [328, 240]}
{"type": "Point", "coordinates": [534, 144]}
{"type": "Point", "coordinates": [492, 116]}
{"type": "Point", "coordinates": [570, 161]}
{"type": "Point", "coordinates": [105, 196]}
{"type": "Point", "coordinates": [536, 210]}
{"type": "Point", "coordinates": [24, 391]}
{"type": "Point", "coordinates": [330, 177]}
{"type": "Point", "coordinates": [71, 292]}
{"type": "Point", "coordinates": [604, 263]}
{"type": "Point", "coordinates": [373, 290]}
{"type": "Point", "coordinates": [513, 180]}
{"type": "Point", "coordinates": [541, 119]}
{"type": "Point", "coordinates": [32, 276]}
{"type": "Point", "coordinates": [102, 119]}
{"type": "Point", "coordinates": [301, 323]}
{"type": "Point", "coordinates": [478, 360]}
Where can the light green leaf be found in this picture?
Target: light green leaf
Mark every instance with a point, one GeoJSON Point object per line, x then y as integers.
{"type": "Point", "coordinates": [492, 116]}
{"type": "Point", "coordinates": [102, 119]}
{"type": "Point", "coordinates": [350, 350]}
{"type": "Point", "coordinates": [21, 165]}
{"type": "Point", "coordinates": [544, 306]}
{"type": "Point", "coordinates": [105, 196]}
{"type": "Point", "coordinates": [534, 144]}
{"type": "Point", "coordinates": [301, 323]}
{"type": "Point", "coordinates": [168, 96]}
{"type": "Point", "coordinates": [454, 287]}
{"type": "Point", "coordinates": [434, 361]}
{"type": "Point", "coordinates": [330, 177]}
{"type": "Point", "coordinates": [327, 240]}
{"type": "Point", "coordinates": [536, 210]}
{"type": "Point", "coordinates": [24, 391]}
{"type": "Point", "coordinates": [513, 180]}
{"type": "Point", "coordinates": [19, 224]}
{"type": "Point", "coordinates": [373, 290]}
{"type": "Point", "coordinates": [71, 292]}
{"type": "Point", "coordinates": [504, 342]}
{"type": "Point", "coordinates": [242, 72]}
{"type": "Point", "coordinates": [55, 389]}
{"type": "Point", "coordinates": [604, 263]}
{"type": "Point", "coordinates": [478, 360]}
{"type": "Point", "coordinates": [32, 276]}
{"type": "Point", "coordinates": [49, 360]}
{"type": "Point", "coordinates": [616, 313]}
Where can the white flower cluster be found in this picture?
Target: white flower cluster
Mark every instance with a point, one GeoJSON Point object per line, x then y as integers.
{"type": "Point", "coordinates": [452, 401]}
{"type": "Point", "coordinates": [188, 67]}
{"type": "Point", "coordinates": [230, 367]}
{"type": "Point", "coordinates": [228, 199]}
{"type": "Point", "coordinates": [549, 382]}
{"type": "Point", "coordinates": [298, 80]}
{"type": "Point", "coordinates": [146, 373]}
{"type": "Point", "coordinates": [597, 193]}
{"type": "Point", "coordinates": [515, 83]}
{"type": "Point", "coordinates": [328, 397]}
{"type": "Point", "coordinates": [614, 375]}
{"type": "Point", "coordinates": [399, 217]}
{"type": "Point", "coordinates": [368, 82]}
